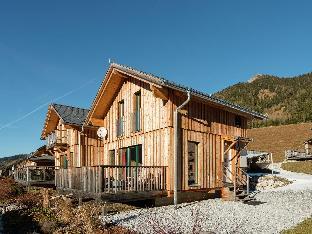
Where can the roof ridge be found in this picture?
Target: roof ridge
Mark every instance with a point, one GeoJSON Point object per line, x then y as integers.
{"type": "Point", "coordinates": [195, 91]}
{"type": "Point", "coordinates": [69, 106]}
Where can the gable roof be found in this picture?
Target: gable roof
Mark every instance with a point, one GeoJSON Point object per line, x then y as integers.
{"type": "Point", "coordinates": [67, 114]}
{"type": "Point", "coordinates": [71, 115]}
{"type": "Point", "coordinates": [43, 157]}
{"type": "Point", "coordinates": [162, 82]}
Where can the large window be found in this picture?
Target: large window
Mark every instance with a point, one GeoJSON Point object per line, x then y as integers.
{"type": "Point", "coordinates": [131, 156]}
{"type": "Point", "coordinates": [192, 163]}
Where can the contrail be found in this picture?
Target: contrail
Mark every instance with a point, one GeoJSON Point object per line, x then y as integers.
{"type": "Point", "coordinates": [45, 104]}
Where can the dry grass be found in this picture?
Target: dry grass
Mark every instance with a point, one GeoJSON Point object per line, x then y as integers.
{"type": "Point", "coordinates": [301, 167]}
{"type": "Point", "coordinates": [277, 139]}
{"type": "Point", "coordinates": [63, 216]}
{"type": "Point", "coordinates": [302, 228]}
{"type": "Point", "coordinates": [9, 189]}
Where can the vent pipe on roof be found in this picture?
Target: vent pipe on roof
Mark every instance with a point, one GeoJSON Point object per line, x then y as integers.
{"type": "Point", "coordinates": [176, 147]}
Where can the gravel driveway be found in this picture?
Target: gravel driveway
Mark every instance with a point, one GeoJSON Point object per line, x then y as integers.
{"type": "Point", "coordinates": [277, 210]}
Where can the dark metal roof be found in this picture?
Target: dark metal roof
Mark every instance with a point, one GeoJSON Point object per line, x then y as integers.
{"type": "Point", "coordinates": [43, 157]}
{"type": "Point", "coordinates": [71, 115]}
{"type": "Point", "coordinates": [164, 82]}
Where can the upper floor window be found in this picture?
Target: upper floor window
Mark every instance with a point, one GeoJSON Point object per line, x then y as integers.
{"type": "Point", "coordinates": [238, 121]}
{"type": "Point", "coordinates": [120, 120]}
{"type": "Point", "coordinates": [137, 104]}
{"type": "Point", "coordinates": [136, 120]}
{"type": "Point", "coordinates": [121, 109]}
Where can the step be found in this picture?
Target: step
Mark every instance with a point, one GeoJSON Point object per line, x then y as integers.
{"type": "Point", "coordinates": [228, 184]}
{"type": "Point", "coordinates": [248, 199]}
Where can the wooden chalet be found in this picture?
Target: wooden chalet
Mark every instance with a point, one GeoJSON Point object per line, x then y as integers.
{"type": "Point", "coordinates": [37, 169]}
{"type": "Point", "coordinates": [64, 138]}
{"type": "Point", "coordinates": [137, 154]}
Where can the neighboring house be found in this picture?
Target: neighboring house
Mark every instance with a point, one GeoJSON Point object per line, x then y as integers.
{"type": "Point", "coordinates": [37, 169]}
{"type": "Point", "coordinates": [137, 153]}
{"type": "Point", "coordinates": [64, 138]}
{"type": "Point", "coordinates": [300, 155]}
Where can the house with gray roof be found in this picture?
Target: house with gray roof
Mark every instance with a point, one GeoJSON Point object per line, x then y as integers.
{"type": "Point", "coordinates": [62, 132]}
{"type": "Point", "coordinates": [147, 136]}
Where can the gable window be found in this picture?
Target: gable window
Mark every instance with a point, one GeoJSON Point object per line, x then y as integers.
{"type": "Point", "coordinates": [136, 119]}
{"type": "Point", "coordinates": [120, 120]}
{"type": "Point", "coordinates": [238, 121]}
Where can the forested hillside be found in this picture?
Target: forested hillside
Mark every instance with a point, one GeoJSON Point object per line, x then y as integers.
{"type": "Point", "coordinates": [285, 100]}
{"type": "Point", "coordinates": [7, 162]}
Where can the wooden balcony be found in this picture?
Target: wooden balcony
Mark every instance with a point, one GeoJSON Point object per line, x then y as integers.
{"type": "Point", "coordinates": [113, 180]}
{"type": "Point", "coordinates": [58, 140]}
{"type": "Point", "coordinates": [35, 175]}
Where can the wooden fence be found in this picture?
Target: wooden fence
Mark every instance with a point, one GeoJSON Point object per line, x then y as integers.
{"type": "Point", "coordinates": [35, 174]}
{"type": "Point", "coordinates": [112, 179]}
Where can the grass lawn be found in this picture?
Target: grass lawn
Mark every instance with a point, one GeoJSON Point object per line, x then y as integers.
{"type": "Point", "coordinates": [302, 167]}
{"type": "Point", "coordinates": [303, 227]}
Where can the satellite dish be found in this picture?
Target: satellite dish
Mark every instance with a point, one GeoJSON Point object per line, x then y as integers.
{"type": "Point", "coordinates": [102, 132]}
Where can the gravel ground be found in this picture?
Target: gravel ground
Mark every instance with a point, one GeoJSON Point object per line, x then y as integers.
{"type": "Point", "coordinates": [278, 209]}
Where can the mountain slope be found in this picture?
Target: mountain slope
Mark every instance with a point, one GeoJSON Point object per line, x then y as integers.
{"type": "Point", "coordinates": [285, 100]}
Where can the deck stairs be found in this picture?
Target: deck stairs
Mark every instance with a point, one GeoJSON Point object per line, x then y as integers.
{"type": "Point", "coordinates": [236, 187]}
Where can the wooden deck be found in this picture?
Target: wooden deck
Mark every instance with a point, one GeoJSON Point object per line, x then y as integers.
{"type": "Point", "coordinates": [35, 175]}
{"type": "Point", "coordinates": [114, 182]}
{"type": "Point", "coordinates": [297, 155]}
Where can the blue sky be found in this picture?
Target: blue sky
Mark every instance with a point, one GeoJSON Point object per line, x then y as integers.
{"type": "Point", "coordinates": [53, 49]}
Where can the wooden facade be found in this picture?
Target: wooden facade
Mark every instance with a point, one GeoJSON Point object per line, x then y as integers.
{"type": "Point", "coordinates": [137, 111]}
{"type": "Point", "coordinates": [70, 146]}
{"type": "Point", "coordinates": [204, 123]}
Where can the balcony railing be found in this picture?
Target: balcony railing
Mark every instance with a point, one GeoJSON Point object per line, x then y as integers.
{"type": "Point", "coordinates": [113, 179]}
{"type": "Point", "coordinates": [35, 174]}
{"type": "Point", "coordinates": [53, 138]}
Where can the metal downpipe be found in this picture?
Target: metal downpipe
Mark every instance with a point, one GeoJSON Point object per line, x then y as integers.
{"type": "Point", "coordinates": [176, 148]}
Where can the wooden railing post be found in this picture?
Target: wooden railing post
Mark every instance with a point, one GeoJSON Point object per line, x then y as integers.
{"type": "Point", "coordinates": [100, 179]}
{"type": "Point", "coordinates": [27, 174]}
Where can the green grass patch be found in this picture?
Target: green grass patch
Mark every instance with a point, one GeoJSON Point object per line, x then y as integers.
{"type": "Point", "coordinates": [302, 228]}
{"type": "Point", "coordinates": [301, 167]}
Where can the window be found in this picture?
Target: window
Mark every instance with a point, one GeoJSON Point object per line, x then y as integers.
{"type": "Point", "coordinates": [137, 112]}
{"type": "Point", "coordinates": [137, 101]}
{"type": "Point", "coordinates": [131, 156]}
{"type": "Point", "coordinates": [192, 163]}
{"type": "Point", "coordinates": [238, 121]}
{"type": "Point", "coordinates": [111, 157]}
{"type": "Point", "coordinates": [71, 159]}
{"type": "Point", "coordinates": [120, 120]}
{"type": "Point", "coordinates": [65, 161]}
{"type": "Point", "coordinates": [121, 109]}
